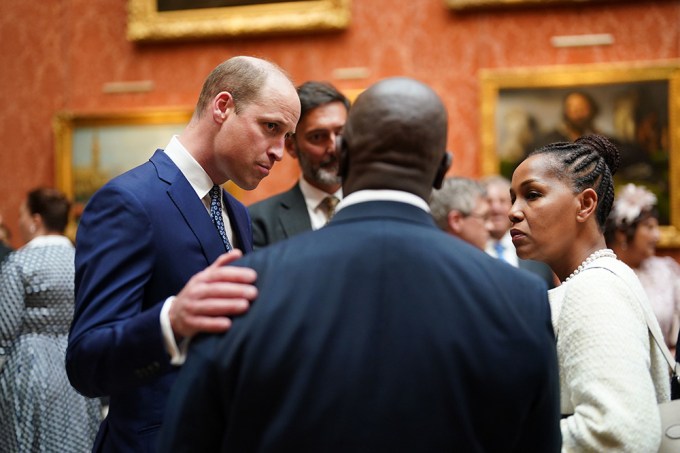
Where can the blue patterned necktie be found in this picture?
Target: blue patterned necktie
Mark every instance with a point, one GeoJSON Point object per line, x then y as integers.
{"type": "Point", "coordinates": [216, 214]}
{"type": "Point", "coordinates": [499, 250]}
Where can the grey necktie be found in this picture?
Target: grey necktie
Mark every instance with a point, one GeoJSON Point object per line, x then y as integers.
{"type": "Point", "coordinates": [328, 205]}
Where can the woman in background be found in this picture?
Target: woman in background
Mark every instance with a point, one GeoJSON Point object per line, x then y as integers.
{"type": "Point", "coordinates": [611, 373]}
{"type": "Point", "coordinates": [39, 410]}
{"type": "Point", "coordinates": [632, 232]}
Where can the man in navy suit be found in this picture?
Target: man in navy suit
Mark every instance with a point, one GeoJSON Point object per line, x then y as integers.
{"type": "Point", "coordinates": [302, 208]}
{"type": "Point", "coordinates": [378, 332]}
{"type": "Point", "coordinates": [150, 249]}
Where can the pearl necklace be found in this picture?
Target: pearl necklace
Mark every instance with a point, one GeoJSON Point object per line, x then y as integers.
{"type": "Point", "coordinates": [602, 253]}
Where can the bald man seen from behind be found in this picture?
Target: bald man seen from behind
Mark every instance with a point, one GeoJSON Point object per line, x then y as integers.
{"type": "Point", "coordinates": [377, 332]}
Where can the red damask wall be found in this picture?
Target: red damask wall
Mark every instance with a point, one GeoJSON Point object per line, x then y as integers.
{"type": "Point", "coordinates": [57, 56]}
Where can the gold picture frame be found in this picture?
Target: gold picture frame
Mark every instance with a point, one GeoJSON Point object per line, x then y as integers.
{"type": "Point", "coordinates": [90, 149]}
{"type": "Point", "coordinates": [479, 4]}
{"type": "Point", "coordinates": [517, 105]}
{"type": "Point", "coordinates": [147, 23]}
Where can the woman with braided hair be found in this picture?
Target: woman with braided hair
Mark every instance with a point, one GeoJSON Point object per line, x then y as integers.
{"type": "Point", "coordinates": [612, 375]}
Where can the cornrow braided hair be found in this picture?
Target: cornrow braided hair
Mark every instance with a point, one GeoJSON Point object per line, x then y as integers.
{"type": "Point", "coordinates": [589, 162]}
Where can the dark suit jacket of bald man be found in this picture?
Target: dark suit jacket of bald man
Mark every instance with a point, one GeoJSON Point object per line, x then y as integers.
{"type": "Point", "coordinates": [376, 333]}
{"type": "Point", "coordinates": [279, 217]}
{"type": "Point", "coordinates": [538, 268]}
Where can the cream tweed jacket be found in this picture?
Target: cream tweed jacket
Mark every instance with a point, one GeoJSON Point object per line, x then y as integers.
{"type": "Point", "coordinates": [612, 374]}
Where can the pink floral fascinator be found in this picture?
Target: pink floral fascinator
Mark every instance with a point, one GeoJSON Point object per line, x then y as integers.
{"type": "Point", "coordinates": [630, 203]}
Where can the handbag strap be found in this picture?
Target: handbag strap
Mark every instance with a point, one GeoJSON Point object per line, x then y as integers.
{"type": "Point", "coordinates": [674, 366]}
{"type": "Point", "coordinates": [660, 342]}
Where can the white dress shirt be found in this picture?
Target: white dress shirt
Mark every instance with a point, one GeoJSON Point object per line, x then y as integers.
{"type": "Point", "coordinates": [197, 177]}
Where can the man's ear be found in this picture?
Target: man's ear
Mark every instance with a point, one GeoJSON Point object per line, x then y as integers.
{"type": "Point", "coordinates": [222, 106]}
{"type": "Point", "coordinates": [444, 166]}
{"type": "Point", "coordinates": [587, 204]}
{"type": "Point", "coordinates": [455, 221]}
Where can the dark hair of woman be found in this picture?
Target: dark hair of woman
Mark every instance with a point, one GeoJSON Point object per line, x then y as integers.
{"type": "Point", "coordinates": [589, 162]}
{"type": "Point", "coordinates": [52, 206]}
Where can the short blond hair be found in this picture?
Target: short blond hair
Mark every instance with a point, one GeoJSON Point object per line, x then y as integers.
{"type": "Point", "coordinates": [243, 77]}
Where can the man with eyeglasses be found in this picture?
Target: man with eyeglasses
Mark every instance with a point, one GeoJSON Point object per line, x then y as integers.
{"type": "Point", "coordinates": [461, 209]}
{"type": "Point", "coordinates": [309, 204]}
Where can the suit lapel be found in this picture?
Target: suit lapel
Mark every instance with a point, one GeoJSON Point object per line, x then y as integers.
{"type": "Point", "coordinates": [240, 223]}
{"type": "Point", "coordinates": [293, 215]}
{"type": "Point", "coordinates": [190, 206]}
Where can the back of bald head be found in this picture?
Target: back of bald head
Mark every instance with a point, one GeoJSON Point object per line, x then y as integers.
{"type": "Point", "coordinates": [394, 138]}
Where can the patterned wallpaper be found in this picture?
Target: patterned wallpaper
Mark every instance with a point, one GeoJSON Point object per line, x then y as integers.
{"type": "Point", "coordinates": [57, 56]}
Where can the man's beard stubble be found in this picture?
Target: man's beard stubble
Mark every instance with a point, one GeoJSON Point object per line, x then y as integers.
{"type": "Point", "coordinates": [325, 173]}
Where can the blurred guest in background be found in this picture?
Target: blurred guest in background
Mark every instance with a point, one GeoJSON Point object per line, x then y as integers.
{"type": "Point", "coordinates": [311, 202]}
{"type": "Point", "coordinates": [5, 240]}
{"type": "Point", "coordinates": [460, 208]}
{"type": "Point", "coordinates": [632, 231]}
{"type": "Point", "coordinates": [5, 234]}
{"type": "Point", "coordinates": [500, 244]}
{"type": "Point", "coordinates": [39, 410]}
{"type": "Point", "coordinates": [612, 374]}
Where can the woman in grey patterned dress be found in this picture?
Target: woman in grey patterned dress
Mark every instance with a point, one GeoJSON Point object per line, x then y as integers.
{"type": "Point", "coordinates": [39, 410]}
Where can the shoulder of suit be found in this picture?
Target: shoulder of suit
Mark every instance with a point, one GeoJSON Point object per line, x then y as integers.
{"type": "Point", "coordinates": [275, 200]}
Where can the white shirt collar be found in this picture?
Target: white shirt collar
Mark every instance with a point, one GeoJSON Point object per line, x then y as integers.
{"type": "Point", "coordinates": [48, 240]}
{"type": "Point", "coordinates": [192, 170]}
{"type": "Point", "coordinates": [363, 196]}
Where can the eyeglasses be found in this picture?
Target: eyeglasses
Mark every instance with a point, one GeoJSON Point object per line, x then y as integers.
{"type": "Point", "coordinates": [483, 217]}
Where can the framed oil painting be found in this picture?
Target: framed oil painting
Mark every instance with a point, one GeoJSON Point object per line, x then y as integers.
{"type": "Point", "coordinates": [636, 106]}
{"type": "Point", "coordinates": [163, 20]}
{"type": "Point", "coordinates": [92, 149]}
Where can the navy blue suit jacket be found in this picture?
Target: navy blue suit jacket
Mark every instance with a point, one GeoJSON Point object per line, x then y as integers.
{"type": "Point", "coordinates": [376, 333]}
{"type": "Point", "coordinates": [140, 239]}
